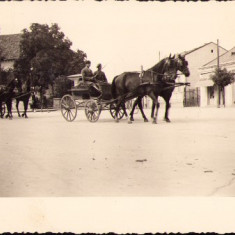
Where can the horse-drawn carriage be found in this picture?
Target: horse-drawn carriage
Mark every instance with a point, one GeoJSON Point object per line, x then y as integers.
{"type": "Point", "coordinates": [83, 96]}
{"type": "Point", "coordinates": [159, 80]}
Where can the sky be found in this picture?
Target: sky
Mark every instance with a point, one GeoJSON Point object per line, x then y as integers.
{"type": "Point", "coordinates": [125, 35]}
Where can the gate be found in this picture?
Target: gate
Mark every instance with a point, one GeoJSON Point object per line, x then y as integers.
{"type": "Point", "coordinates": [192, 97]}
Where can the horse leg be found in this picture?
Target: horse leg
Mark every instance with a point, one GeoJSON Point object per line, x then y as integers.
{"type": "Point", "coordinates": [152, 110]}
{"type": "Point", "coordinates": [168, 105]}
{"type": "Point", "coordinates": [155, 101]}
{"type": "Point", "coordinates": [141, 110]}
{"type": "Point", "coordinates": [124, 109]}
{"type": "Point", "coordinates": [9, 107]}
{"type": "Point", "coordinates": [133, 109]}
{"type": "Point", "coordinates": [17, 107]}
{"type": "Point", "coordinates": [166, 118]}
{"type": "Point", "coordinates": [26, 108]}
{"type": "Point", "coordinates": [118, 105]}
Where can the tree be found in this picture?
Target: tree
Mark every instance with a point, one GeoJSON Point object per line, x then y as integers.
{"type": "Point", "coordinates": [222, 78]}
{"type": "Point", "coordinates": [45, 54]}
{"type": "Point", "coordinates": [62, 85]}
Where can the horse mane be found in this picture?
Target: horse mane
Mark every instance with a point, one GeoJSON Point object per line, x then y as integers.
{"type": "Point", "coordinates": [159, 66]}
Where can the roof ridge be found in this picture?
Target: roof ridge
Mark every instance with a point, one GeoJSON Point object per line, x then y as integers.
{"type": "Point", "coordinates": [197, 48]}
{"type": "Point", "coordinates": [227, 51]}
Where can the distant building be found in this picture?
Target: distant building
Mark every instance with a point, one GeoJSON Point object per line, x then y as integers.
{"type": "Point", "coordinates": [207, 92]}
{"type": "Point", "coordinates": [197, 57]}
{"type": "Point", "coordinates": [9, 49]}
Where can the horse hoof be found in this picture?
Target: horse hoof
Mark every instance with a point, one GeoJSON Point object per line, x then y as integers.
{"type": "Point", "coordinates": [146, 120]}
{"type": "Point", "coordinates": [129, 122]}
{"type": "Point", "coordinates": [154, 121]}
{"type": "Point", "coordinates": [167, 120]}
{"type": "Point", "coordinates": [132, 119]}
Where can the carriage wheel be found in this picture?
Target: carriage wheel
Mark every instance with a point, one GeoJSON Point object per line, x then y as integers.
{"type": "Point", "coordinates": [92, 111]}
{"type": "Point", "coordinates": [3, 109]}
{"type": "Point", "coordinates": [68, 108]}
{"type": "Point", "coordinates": [113, 111]}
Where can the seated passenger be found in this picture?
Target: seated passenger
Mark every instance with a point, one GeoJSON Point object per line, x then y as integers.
{"type": "Point", "coordinates": [87, 74]}
{"type": "Point", "coordinates": [88, 77]}
{"type": "Point", "coordinates": [100, 75]}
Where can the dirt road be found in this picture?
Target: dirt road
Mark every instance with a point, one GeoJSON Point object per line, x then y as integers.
{"type": "Point", "coordinates": [194, 155]}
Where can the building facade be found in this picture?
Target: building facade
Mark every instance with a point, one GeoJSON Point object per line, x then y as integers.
{"type": "Point", "coordinates": [209, 94]}
{"type": "Point", "coordinates": [9, 49]}
{"type": "Point", "coordinates": [197, 57]}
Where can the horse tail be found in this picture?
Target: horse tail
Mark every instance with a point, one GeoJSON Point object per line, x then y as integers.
{"type": "Point", "coordinates": [113, 88]}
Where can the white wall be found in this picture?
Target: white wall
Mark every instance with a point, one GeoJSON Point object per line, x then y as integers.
{"type": "Point", "coordinates": [229, 95]}
{"type": "Point", "coordinates": [203, 97]}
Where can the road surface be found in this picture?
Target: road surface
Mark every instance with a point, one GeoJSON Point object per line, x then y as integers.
{"type": "Point", "coordinates": [46, 156]}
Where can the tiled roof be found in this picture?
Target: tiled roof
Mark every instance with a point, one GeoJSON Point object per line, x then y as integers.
{"type": "Point", "coordinates": [10, 46]}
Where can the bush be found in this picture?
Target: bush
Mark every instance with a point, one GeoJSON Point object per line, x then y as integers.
{"type": "Point", "coordinates": [222, 77]}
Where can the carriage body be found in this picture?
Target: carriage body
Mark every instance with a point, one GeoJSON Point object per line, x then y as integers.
{"type": "Point", "coordinates": [83, 96]}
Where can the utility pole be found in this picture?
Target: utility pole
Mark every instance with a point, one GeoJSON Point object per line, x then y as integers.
{"type": "Point", "coordinates": [218, 88]}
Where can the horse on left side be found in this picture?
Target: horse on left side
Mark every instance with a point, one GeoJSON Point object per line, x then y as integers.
{"type": "Point", "coordinates": [24, 96]}
{"type": "Point", "coordinates": [7, 94]}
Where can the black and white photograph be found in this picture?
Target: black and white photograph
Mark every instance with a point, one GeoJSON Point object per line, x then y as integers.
{"type": "Point", "coordinates": [108, 102]}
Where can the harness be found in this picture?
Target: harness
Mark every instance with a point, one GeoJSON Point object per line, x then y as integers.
{"type": "Point", "coordinates": [22, 95]}
{"type": "Point", "coordinates": [167, 75]}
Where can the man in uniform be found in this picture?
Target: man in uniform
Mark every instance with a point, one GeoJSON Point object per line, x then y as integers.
{"type": "Point", "coordinates": [88, 77]}
{"type": "Point", "coordinates": [87, 74]}
{"type": "Point", "coordinates": [100, 75]}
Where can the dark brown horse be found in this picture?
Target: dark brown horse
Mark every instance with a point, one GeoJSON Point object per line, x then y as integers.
{"type": "Point", "coordinates": [6, 96]}
{"type": "Point", "coordinates": [168, 78]}
{"type": "Point", "coordinates": [129, 85]}
{"type": "Point", "coordinates": [24, 96]}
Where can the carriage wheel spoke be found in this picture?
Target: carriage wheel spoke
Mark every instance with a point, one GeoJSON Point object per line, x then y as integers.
{"type": "Point", "coordinates": [69, 115]}
{"type": "Point", "coordinates": [72, 114]}
{"type": "Point", "coordinates": [68, 108]}
{"type": "Point", "coordinates": [92, 111]}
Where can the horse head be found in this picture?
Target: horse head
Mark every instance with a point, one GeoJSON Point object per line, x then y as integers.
{"type": "Point", "coordinates": [14, 85]}
{"type": "Point", "coordinates": [172, 64]}
{"type": "Point", "coordinates": [182, 65]}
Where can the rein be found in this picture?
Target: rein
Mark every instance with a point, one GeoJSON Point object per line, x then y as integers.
{"type": "Point", "coordinates": [22, 95]}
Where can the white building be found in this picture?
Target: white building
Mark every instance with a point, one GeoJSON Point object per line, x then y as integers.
{"type": "Point", "coordinates": [207, 91]}
{"type": "Point", "coordinates": [196, 58]}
